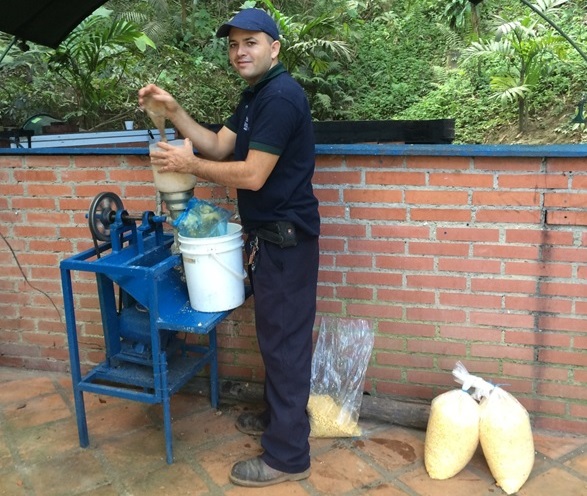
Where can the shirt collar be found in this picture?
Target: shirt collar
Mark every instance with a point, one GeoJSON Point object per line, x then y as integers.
{"type": "Point", "coordinates": [272, 73]}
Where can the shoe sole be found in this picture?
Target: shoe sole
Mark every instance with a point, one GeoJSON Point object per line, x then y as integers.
{"type": "Point", "coordinates": [278, 480]}
{"type": "Point", "coordinates": [250, 432]}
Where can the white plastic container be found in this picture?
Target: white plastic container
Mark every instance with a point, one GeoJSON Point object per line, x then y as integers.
{"type": "Point", "coordinates": [214, 270]}
{"type": "Point", "coordinates": [171, 182]}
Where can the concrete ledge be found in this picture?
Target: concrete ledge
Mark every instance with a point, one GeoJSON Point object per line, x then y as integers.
{"type": "Point", "coordinates": [571, 150]}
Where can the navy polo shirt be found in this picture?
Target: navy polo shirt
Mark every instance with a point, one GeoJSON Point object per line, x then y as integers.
{"type": "Point", "coordinates": [274, 117]}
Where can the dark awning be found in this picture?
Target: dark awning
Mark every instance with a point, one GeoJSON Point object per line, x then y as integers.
{"type": "Point", "coordinates": [46, 22]}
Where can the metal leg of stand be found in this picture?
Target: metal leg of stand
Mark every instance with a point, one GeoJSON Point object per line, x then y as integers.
{"type": "Point", "coordinates": [80, 409]}
{"type": "Point", "coordinates": [166, 404]}
{"type": "Point", "coordinates": [213, 368]}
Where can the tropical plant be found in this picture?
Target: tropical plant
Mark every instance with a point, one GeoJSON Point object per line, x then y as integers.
{"type": "Point", "coordinates": [523, 51]}
{"type": "Point", "coordinates": [93, 61]}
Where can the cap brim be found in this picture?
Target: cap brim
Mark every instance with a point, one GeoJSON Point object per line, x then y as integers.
{"type": "Point", "coordinates": [223, 31]}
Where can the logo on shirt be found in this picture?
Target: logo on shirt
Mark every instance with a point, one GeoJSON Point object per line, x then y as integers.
{"type": "Point", "coordinates": [246, 124]}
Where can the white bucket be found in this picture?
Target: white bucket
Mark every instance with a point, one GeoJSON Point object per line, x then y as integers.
{"type": "Point", "coordinates": [214, 270]}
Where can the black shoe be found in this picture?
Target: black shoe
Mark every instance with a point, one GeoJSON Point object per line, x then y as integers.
{"type": "Point", "coordinates": [252, 423]}
{"type": "Point", "coordinates": [256, 473]}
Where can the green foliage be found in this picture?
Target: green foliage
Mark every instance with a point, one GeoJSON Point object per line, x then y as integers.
{"type": "Point", "coordinates": [456, 96]}
{"type": "Point", "coordinates": [525, 50]}
{"type": "Point", "coordinates": [393, 66]}
{"type": "Point", "coordinates": [356, 59]}
{"type": "Point", "coordinates": [94, 61]}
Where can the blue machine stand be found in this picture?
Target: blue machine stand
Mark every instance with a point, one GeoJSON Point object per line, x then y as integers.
{"type": "Point", "coordinates": [145, 358]}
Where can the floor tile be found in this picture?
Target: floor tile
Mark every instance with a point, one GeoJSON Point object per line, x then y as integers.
{"type": "Point", "coordinates": [40, 453]}
{"type": "Point", "coordinates": [555, 481]}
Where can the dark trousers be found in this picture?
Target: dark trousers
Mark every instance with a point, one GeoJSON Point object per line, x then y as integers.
{"type": "Point", "coordinates": [284, 284]}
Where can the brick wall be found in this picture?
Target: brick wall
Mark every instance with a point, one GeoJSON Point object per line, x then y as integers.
{"type": "Point", "coordinates": [465, 255]}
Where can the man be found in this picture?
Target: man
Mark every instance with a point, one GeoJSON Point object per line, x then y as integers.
{"type": "Point", "coordinates": [271, 144]}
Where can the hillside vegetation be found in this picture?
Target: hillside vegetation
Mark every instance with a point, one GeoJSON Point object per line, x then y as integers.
{"type": "Point", "coordinates": [500, 70]}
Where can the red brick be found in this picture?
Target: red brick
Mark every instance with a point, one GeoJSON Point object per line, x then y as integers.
{"type": "Point", "coordinates": [578, 182]}
{"type": "Point", "coordinates": [392, 262]}
{"type": "Point", "coordinates": [325, 194]}
{"type": "Point", "coordinates": [448, 163]}
{"type": "Point", "coordinates": [562, 390]}
{"type": "Point", "coordinates": [537, 304]}
{"type": "Point", "coordinates": [378, 213]}
{"type": "Point", "coordinates": [34, 176]}
{"type": "Point", "coordinates": [470, 300]}
{"type": "Point", "coordinates": [374, 311]}
{"type": "Point", "coordinates": [506, 251]}
{"type": "Point", "coordinates": [400, 231]}
{"type": "Point", "coordinates": [379, 161]}
{"type": "Point", "coordinates": [354, 293]}
{"type": "Point", "coordinates": [336, 177]}
{"type": "Point", "coordinates": [436, 197]}
{"type": "Point", "coordinates": [567, 358]}
{"type": "Point", "coordinates": [461, 179]}
{"type": "Point", "coordinates": [403, 360]}
{"type": "Point", "coordinates": [395, 178]}
{"type": "Point", "coordinates": [375, 246]}
{"type": "Point", "coordinates": [468, 333]}
{"type": "Point", "coordinates": [432, 281]}
{"type": "Point", "coordinates": [533, 181]}
{"type": "Point", "coordinates": [579, 411]}
{"type": "Point", "coordinates": [397, 295]}
{"type": "Point", "coordinates": [332, 212]}
{"type": "Point", "coordinates": [517, 321]}
{"type": "Point", "coordinates": [511, 216]}
{"type": "Point", "coordinates": [354, 261]}
{"type": "Point", "coordinates": [563, 289]}
{"type": "Point", "coordinates": [435, 315]}
{"type": "Point", "coordinates": [471, 265]}
{"type": "Point", "coordinates": [373, 278]}
{"type": "Point", "coordinates": [534, 338]}
{"type": "Point", "coordinates": [345, 230]}
{"type": "Point", "coordinates": [502, 286]}
{"type": "Point", "coordinates": [503, 352]}
{"type": "Point", "coordinates": [565, 200]}
{"type": "Point", "coordinates": [467, 234]}
{"type": "Point", "coordinates": [440, 214]}
{"type": "Point", "coordinates": [518, 198]}
{"type": "Point", "coordinates": [566, 218]}
{"type": "Point", "coordinates": [433, 248]}
{"type": "Point", "coordinates": [437, 347]}
{"type": "Point", "coordinates": [403, 328]}
{"type": "Point", "coordinates": [533, 269]}
{"type": "Point", "coordinates": [568, 165]}
{"type": "Point", "coordinates": [531, 371]}
{"type": "Point", "coordinates": [539, 237]}
{"type": "Point", "coordinates": [509, 164]}
{"type": "Point", "coordinates": [372, 196]}
{"type": "Point", "coordinates": [49, 161]}
{"type": "Point", "coordinates": [328, 160]}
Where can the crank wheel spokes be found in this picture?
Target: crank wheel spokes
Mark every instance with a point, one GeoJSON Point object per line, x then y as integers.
{"type": "Point", "coordinates": [103, 213]}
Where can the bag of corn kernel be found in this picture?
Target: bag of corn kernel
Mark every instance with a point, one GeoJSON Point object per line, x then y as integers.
{"type": "Point", "coordinates": [506, 438]}
{"type": "Point", "coordinates": [505, 433]}
{"type": "Point", "coordinates": [452, 434]}
{"type": "Point", "coordinates": [339, 365]}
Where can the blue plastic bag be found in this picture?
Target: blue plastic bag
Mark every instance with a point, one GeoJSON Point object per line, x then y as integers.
{"type": "Point", "coordinates": [202, 219]}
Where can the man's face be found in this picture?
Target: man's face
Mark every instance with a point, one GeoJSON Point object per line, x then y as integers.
{"type": "Point", "coordinates": [252, 53]}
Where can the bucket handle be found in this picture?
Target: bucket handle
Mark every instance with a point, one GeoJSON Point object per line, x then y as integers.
{"type": "Point", "coordinates": [229, 269]}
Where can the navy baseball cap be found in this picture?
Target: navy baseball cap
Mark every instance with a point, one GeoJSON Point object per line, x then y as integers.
{"type": "Point", "coordinates": [250, 20]}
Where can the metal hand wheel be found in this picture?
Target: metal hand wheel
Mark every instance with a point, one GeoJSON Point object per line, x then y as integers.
{"type": "Point", "coordinates": [103, 213]}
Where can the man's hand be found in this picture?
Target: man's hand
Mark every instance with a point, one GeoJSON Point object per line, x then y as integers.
{"type": "Point", "coordinates": [174, 158]}
{"type": "Point", "coordinates": [158, 99]}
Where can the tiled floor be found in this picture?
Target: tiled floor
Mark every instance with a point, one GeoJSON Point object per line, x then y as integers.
{"type": "Point", "coordinates": [40, 454]}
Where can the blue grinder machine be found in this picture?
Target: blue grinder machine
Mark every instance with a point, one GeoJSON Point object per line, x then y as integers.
{"type": "Point", "coordinates": [145, 310]}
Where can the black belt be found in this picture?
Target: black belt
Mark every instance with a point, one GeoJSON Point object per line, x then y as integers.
{"type": "Point", "coordinates": [282, 233]}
